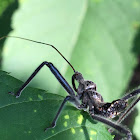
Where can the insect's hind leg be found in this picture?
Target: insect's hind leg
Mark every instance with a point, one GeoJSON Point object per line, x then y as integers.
{"type": "Point", "coordinates": [131, 106]}
{"type": "Point", "coordinates": [114, 125]}
{"type": "Point", "coordinates": [131, 94]}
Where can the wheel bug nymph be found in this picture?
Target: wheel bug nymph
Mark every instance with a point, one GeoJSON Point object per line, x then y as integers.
{"type": "Point", "coordinates": [86, 97]}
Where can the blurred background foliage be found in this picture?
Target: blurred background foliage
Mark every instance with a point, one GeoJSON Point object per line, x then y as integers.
{"type": "Point", "coordinates": [100, 38]}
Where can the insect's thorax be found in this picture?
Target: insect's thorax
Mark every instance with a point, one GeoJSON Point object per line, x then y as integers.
{"type": "Point", "coordinates": [88, 94]}
{"type": "Point", "coordinates": [93, 101]}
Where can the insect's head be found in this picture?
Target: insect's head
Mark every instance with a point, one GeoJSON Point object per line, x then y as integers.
{"type": "Point", "coordinates": [78, 76]}
{"type": "Point", "coordinates": [84, 84]}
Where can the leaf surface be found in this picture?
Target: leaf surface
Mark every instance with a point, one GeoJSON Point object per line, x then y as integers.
{"type": "Point", "coordinates": [27, 117]}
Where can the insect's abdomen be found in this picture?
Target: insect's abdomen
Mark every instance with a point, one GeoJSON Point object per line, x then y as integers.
{"type": "Point", "coordinates": [111, 110]}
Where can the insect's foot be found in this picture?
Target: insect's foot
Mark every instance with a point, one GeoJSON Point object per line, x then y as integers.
{"type": "Point", "coordinates": [48, 128]}
{"type": "Point", "coordinates": [45, 130]}
{"type": "Point", "coordinates": [52, 126]}
{"type": "Point", "coordinates": [17, 95]}
{"type": "Point", "coordinates": [12, 93]}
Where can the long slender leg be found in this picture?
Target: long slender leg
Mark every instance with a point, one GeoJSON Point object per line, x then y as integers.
{"type": "Point", "coordinates": [72, 98]}
{"type": "Point", "coordinates": [73, 83]}
{"type": "Point", "coordinates": [129, 109]}
{"type": "Point", "coordinates": [113, 125]}
{"type": "Point", "coordinates": [131, 106]}
{"type": "Point", "coordinates": [126, 113]}
{"type": "Point", "coordinates": [56, 73]}
{"type": "Point", "coordinates": [67, 98]}
{"type": "Point", "coordinates": [53, 124]}
{"type": "Point", "coordinates": [131, 95]}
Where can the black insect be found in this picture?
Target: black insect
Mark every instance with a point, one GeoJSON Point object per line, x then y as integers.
{"type": "Point", "coordinates": [87, 98]}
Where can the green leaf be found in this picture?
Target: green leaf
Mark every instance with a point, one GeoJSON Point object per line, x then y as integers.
{"type": "Point", "coordinates": [7, 8]}
{"type": "Point", "coordinates": [62, 31]}
{"type": "Point", "coordinates": [28, 116]}
{"type": "Point", "coordinates": [96, 36]}
{"type": "Point", "coordinates": [4, 4]}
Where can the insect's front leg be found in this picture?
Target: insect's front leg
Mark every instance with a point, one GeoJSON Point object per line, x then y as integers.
{"type": "Point", "coordinates": [73, 83]}
{"type": "Point", "coordinates": [18, 93]}
{"type": "Point", "coordinates": [56, 73]}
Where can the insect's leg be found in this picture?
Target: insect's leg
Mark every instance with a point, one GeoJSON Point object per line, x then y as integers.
{"type": "Point", "coordinates": [131, 95]}
{"type": "Point", "coordinates": [119, 128]}
{"type": "Point", "coordinates": [73, 83]}
{"type": "Point", "coordinates": [129, 109]}
{"type": "Point", "coordinates": [53, 124]}
{"type": "Point", "coordinates": [125, 114]}
{"type": "Point", "coordinates": [56, 73]}
{"type": "Point", "coordinates": [131, 106]}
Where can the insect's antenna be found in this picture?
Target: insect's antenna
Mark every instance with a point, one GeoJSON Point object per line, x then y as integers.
{"type": "Point", "coordinates": [41, 43]}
